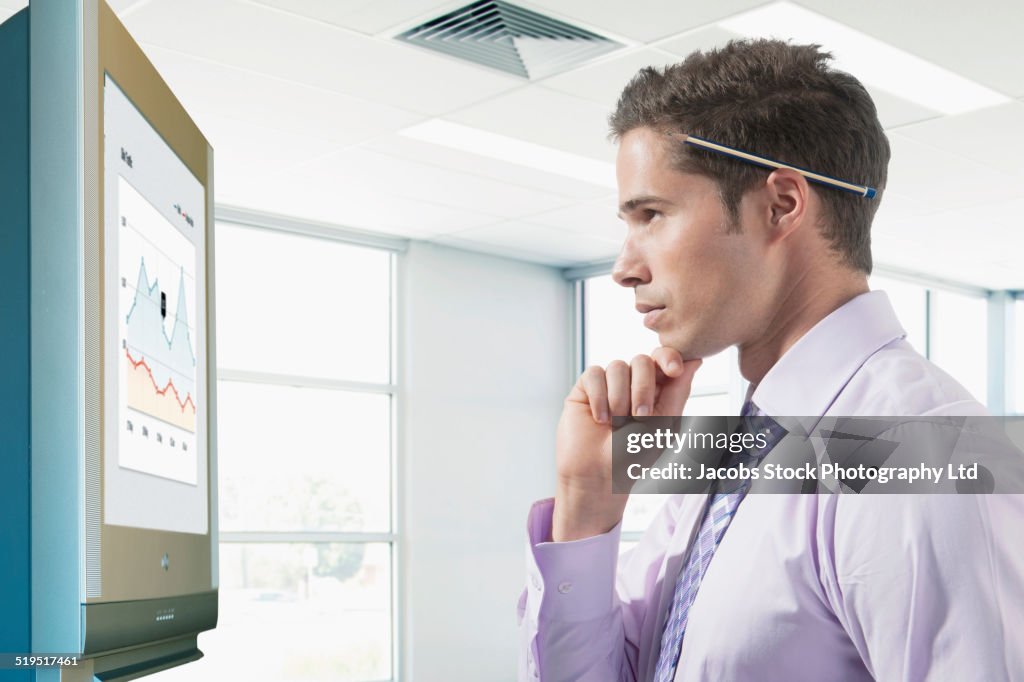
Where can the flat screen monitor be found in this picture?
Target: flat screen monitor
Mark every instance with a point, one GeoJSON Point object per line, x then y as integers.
{"type": "Point", "coordinates": [150, 505]}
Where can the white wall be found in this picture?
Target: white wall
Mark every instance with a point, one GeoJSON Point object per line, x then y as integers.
{"type": "Point", "coordinates": [485, 366]}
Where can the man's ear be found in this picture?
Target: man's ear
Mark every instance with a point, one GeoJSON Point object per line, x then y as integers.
{"type": "Point", "coordinates": [788, 195]}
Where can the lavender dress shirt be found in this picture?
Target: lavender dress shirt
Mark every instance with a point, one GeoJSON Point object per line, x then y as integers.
{"type": "Point", "coordinates": [822, 588]}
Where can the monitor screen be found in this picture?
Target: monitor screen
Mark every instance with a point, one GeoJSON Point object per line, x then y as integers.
{"type": "Point", "coordinates": [154, 318]}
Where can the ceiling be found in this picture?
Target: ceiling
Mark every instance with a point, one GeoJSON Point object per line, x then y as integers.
{"type": "Point", "coordinates": [304, 102]}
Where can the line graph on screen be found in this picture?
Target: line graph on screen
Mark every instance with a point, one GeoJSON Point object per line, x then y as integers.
{"type": "Point", "coordinates": [157, 330]}
{"type": "Point", "coordinates": [161, 379]}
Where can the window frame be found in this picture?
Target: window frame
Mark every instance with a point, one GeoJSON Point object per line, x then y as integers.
{"type": "Point", "coordinates": [1014, 334]}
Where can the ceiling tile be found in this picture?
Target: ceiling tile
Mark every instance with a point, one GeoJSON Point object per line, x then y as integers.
{"type": "Point", "coordinates": [895, 111]}
{"type": "Point", "coordinates": [327, 11]}
{"type": "Point", "coordinates": [401, 147]}
{"type": "Point", "coordinates": [240, 160]}
{"type": "Point", "coordinates": [286, 46]}
{"type": "Point", "coordinates": [940, 179]}
{"type": "Point", "coordinates": [644, 20]}
{"type": "Point", "coordinates": [903, 254]}
{"type": "Point", "coordinates": [896, 206]}
{"type": "Point", "coordinates": [533, 242]}
{"type": "Point", "coordinates": [239, 94]}
{"type": "Point", "coordinates": [935, 244]}
{"type": "Point", "coordinates": [390, 15]}
{"type": "Point", "coordinates": [365, 16]}
{"type": "Point", "coordinates": [422, 182]}
{"type": "Point", "coordinates": [698, 39]}
{"type": "Point", "coordinates": [592, 218]}
{"type": "Point", "coordinates": [999, 276]}
{"type": "Point", "coordinates": [350, 204]}
{"type": "Point", "coordinates": [984, 136]}
{"type": "Point", "coordinates": [991, 228]}
{"type": "Point", "coordinates": [603, 82]}
{"type": "Point", "coordinates": [6, 14]}
{"type": "Point", "coordinates": [546, 117]}
{"type": "Point", "coordinates": [948, 262]}
{"type": "Point", "coordinates": [13, 5]}
{"type": "Point", "coordinates": [979, 41]}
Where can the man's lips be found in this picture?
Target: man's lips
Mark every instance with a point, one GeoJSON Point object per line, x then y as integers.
{"type": "Point", "coordinates": [651, 313]}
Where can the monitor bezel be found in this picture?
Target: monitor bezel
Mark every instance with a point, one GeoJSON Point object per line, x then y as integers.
{"type": "Point", "coordinates": [125, 563]}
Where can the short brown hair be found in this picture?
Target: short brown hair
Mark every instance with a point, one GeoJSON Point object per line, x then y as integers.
{"type": "Point", "coordinates": [777, 100]}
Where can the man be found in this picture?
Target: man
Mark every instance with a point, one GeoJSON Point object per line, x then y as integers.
{"type": "Point", "coordinates": [723, 252]}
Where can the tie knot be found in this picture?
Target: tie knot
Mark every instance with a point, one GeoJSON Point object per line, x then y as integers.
{"type": "Point", "coordinates": [749, 409]}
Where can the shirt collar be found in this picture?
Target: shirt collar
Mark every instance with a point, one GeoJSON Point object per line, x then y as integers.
{"type": "Point", "coordinates": [807, 378]}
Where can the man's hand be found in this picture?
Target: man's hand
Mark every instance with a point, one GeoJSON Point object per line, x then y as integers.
{"type": "Point", "coordinates": [652, 385]}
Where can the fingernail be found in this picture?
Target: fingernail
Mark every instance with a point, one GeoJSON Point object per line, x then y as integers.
{"type": "Point", "coordinates": [603, 417]}
{"type": "Point", "coordinates": [673, 366]}
{"type": "Point", "coordinates": [643, 411]}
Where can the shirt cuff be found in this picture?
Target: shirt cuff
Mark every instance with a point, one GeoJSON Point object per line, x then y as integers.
{"type": "Point", "coordinates": [569, 581]}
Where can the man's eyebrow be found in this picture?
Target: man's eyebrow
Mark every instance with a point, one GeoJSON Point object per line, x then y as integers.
{"type": "Point", "coordinates": [633, 204]}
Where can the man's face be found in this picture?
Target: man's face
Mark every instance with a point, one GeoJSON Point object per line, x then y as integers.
{"type": "Point", "coordinates": [702, 287]}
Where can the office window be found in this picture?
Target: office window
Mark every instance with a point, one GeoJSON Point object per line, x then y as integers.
{"type": "Point", "coordinates": [301, 306]}
{"type": "Point", "coordinates": [305, 404]}
{"type": "Point", "coordinates": [959, 339]}
{"type": "Point", "coordinates": [951, 328]}
{"type": "Point", "coordinates": [910, 301]}
{"type": "Point", "coordinates": [612, 328]}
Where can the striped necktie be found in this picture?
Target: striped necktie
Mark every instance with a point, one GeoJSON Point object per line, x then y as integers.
{"type": "Point", "coordinates": [717, 517]}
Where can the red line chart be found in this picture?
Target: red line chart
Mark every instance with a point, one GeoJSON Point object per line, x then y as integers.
{"type": "Point", "coordinates": [141, 362]}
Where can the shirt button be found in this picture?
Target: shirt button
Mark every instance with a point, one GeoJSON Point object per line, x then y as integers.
{"type": "Point", "coordinates": [565, 588]}
{"type": "Point", "coordinates": [536, 581]}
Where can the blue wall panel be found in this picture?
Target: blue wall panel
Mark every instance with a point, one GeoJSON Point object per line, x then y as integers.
{"type": "Point", "coordinates": [15, 606]}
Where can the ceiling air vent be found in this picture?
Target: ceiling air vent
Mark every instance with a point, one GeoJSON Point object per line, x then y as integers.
{"type": "Point", "coordinates": [516, 40]}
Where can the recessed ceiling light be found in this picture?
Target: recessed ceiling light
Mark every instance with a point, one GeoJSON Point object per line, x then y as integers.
{"type": "Point", "coordinates": [513, 150]}
{"type": "Point", "coordinates": [871, 60]}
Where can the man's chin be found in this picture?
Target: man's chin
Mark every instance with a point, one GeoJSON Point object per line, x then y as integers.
{"type": "Point", "coordinates": [688, 346]}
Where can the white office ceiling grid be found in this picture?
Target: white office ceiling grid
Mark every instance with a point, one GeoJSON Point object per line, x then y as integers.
{"type": "Point", "coordinates": [305, 103]}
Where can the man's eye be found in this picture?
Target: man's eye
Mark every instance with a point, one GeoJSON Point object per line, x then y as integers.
{"type": "Point", "coordinates": [650, 214]}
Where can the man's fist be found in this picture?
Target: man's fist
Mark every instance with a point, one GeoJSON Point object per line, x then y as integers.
{"type": "Point", "coordinates": [651, 385]}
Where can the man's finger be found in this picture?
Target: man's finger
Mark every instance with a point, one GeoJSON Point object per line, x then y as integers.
{"type": "Point", "coordinates": [618, 388]}
{"type": "Point", "coordinates": [669, 360]}
{"type": "Point", "coordinates": [642, 384]}
{"type": "Point", "coordinates": [590, 388]}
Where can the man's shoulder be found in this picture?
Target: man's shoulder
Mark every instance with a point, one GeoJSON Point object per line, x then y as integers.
{"type": "Point", "coordinates": [897, 380]}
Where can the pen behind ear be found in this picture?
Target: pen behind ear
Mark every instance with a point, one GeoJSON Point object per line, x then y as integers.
{"type": "Point", "coordinates": [765, 162]}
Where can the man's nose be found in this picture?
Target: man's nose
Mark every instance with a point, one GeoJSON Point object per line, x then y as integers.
{"type": "Point", "coordinates": [630, 268]}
